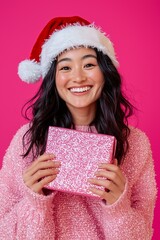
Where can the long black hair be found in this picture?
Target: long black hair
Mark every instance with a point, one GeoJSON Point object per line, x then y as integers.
{"type": "Point", "coordinates": [48, 109]}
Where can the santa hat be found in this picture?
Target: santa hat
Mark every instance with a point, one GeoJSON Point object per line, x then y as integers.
{"type": "Point", "coordinates": [60, 34]}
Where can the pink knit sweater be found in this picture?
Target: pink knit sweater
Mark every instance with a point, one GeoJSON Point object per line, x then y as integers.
{"type": "Point", "coordinates": [25, 215]}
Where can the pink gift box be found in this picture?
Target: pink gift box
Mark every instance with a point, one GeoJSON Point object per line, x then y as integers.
{"type": "Point", "coordinates": [80, 153]}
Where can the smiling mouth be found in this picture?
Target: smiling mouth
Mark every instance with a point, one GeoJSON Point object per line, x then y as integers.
{"type": "Point", "coordinates": [80, 89]}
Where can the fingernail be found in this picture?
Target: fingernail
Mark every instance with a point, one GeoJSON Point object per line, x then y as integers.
{"type": "Point", "coordinates": [100, 165]}
{"type": "Point", "coordinates": [90, 179]}
{"type": "Point", "coordinates": [57, 170]}
{"type": "Point", "coordinates": [57, 163]}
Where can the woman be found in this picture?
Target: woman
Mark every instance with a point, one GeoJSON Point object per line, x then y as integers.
{"type": "Point", "coordinates": [81, 89]}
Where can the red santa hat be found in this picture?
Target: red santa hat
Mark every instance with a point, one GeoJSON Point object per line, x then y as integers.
{"type": "Point", "coordinates": [58, 35]}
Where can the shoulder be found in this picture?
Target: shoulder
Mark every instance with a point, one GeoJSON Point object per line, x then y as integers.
{"type": "Point", "coordinates": [15, 148]}
{"type": "Point", "coordinates": [17, 138]}
{"type": "Point", "coordinates": [23, 129]}
{"type": "Point", "coordinates": [139, 153]}
{"type": "Point", "coordinates": [137, 132]}
{"type": "Point", "coordinates": [138, 141]}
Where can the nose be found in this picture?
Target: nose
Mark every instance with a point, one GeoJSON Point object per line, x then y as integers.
{"type": "Point", "coordinates": [79, 75]}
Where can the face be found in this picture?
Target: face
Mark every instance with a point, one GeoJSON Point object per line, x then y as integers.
{"type": "Point", "coordinates": [79, 80]}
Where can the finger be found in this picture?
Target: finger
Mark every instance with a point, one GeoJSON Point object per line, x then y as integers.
{"type": "Point", "coordinates": [37, 187]}
{"type": "Point", "coordinates": [42, 158]}
{"type": "Point", "coordinates": [115, 162]}
{"type": "Point", "coordinates": [45, 157]}
{"type": "Point", "coordinates": [109, 185]}
{"type": "Point", "coordinates": [42, 165]}
{"type": "Point", "coordinates": [102, 194]}
{"type": "Point", "coordinates": [108, 196]}
{"type": "Point", "coordinates": [113, 168]}
{"type": "Point", "coordinates": [112, 176]}
{"type": "Point", "coordinates": [40, 175]}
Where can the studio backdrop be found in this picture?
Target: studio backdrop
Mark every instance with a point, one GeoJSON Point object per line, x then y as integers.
{"type": "Point", "coordinates": [133, 27]}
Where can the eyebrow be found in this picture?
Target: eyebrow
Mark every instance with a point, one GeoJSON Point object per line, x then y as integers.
{"type": "Point", "coordinates": [84, 57]}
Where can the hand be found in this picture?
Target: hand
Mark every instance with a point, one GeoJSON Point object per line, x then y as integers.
{"type": "Point", "coordinates": [112, 179]}
{"type": "Point", "coordinates": [41, 172]}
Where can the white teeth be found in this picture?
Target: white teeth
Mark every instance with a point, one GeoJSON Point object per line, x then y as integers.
{"type": "Point", "coordinates": [84, 89]}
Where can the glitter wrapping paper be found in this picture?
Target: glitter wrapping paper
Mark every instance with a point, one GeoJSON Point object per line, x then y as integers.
{"type": "Point", "coordinates": [25, 215]}
{"type": "Point", "coordinates": [80, 153]}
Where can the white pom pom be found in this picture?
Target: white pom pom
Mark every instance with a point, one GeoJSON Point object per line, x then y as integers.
{"type": "Point", "coordinates": [29, 71]}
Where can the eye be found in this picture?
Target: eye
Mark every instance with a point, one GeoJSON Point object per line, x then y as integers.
{"type": "Point", "coordinates": [89, 65]}
{"type": "Point", "coordinates": [64, 68]}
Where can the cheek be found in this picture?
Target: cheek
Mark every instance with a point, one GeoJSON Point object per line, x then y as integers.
{"type": "Point", "coordinates": [61, 80]}
{"type": "Point", "coordinates": [58, 87]}
{"type": "Point", "coordinates": [97, 76]}
{"type": "Point", "coordinates": [100, 81]}
{"type": "Point", "coordinates": [100, 84]}
{"type": "Point", "coordinates": [61, 86]}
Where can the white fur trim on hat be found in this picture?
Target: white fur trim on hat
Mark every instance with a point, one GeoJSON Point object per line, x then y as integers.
{"type": "Point", "coordinates": [61, 40]}
{"type": "Point", "coordinates": [29, 71]}
{"type": "Point", "coordinates": [72, 36]}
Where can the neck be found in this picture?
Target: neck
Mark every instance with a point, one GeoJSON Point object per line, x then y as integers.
{"type": "Point", "coordinates": [82, 116]}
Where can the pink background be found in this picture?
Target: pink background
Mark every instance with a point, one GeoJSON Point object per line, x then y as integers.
{"type": "Point", "coordinates": [133, 26]}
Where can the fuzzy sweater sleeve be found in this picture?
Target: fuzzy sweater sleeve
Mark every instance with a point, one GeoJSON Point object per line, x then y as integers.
{"type": "Point", "coordinates": [132, 215]}
{"type": "Point", "coordinates": [24, 215]}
